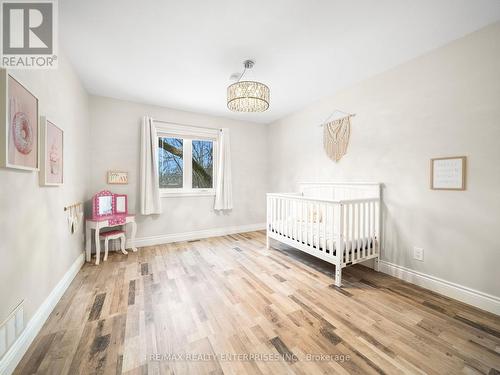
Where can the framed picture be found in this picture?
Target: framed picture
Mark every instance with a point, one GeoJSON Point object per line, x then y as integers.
{"type": "Point", "coordinates": [117, 177]}
{"type": "Point", "coordinates": [19, 129]}
{"type": "Point", "coordinates": [448, 173]}
{"type": "Point", "coordinates": [52, 153]}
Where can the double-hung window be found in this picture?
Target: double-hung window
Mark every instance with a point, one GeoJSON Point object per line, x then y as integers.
{"type": "Point", "coordinates": [186, 160]}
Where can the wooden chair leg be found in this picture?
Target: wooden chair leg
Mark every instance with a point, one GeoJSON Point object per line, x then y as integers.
{"type": "Point", "coordinates": [122, 244]}
{"type": "Point", "coordinates": [98, 248]}
{"type": "Point", "coordinates": [106, 248]}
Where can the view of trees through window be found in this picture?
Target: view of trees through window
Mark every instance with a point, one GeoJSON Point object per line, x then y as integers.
{"type": "Point", "coordinates": [171, 163]}
{"type": "Point", "coordinates": [170, 160]}
{"type": "Point", "coordinates": [203, 166]}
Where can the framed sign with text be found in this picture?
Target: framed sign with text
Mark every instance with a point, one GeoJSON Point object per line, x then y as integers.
{"type": "Point", "coordinates": [117, 177]}
{"type": "Point", "coordinates": [448, 173]}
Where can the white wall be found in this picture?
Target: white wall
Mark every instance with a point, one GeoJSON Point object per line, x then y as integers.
{"type": "Point", "coordinates": [445, 103]}
{"type": "Point", "coordinates": [115, 131]}
{"type": "Point", "coordinates": [36, 247]}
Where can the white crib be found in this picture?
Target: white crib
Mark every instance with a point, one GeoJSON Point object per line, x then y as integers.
{"type": "Point", "coordinates": [337, 222]}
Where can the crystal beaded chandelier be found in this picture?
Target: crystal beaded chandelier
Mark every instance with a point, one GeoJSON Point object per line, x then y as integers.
{"type": "Point", "coordinates": [247, 96]}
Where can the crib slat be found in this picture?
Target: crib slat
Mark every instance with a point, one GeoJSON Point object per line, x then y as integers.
{"type": "Point", "coordinates": [333, 232]}
{"type": "Point", "coordinates": [347, 229]}
{"type": "Point", "coordinates": [326, 226]}
{"type": "Point", "coordinates": [271, 208]}
{"type": "Point", "coordinates": [277, 215]}
{"type": "Point", "coordinates": [348, 233]}
{"type": "Point", "coordinates": [281, 215]}
{"type": "Point", "coordinates": [345, 255]}
{"type": "Point", "coordinates": [368, 227]}
{"type": "Point", "coordinates": [289, 218]}
{"type": "Point", "coordinates": [299, 221]}
{"type": "Point", "coordinates": [297, 218]}
{"type": "Point", "coordinates": [377, 205]}
{"type": "Point", "coordinates": [370, 236]}
{"type": "Point", "coordinates": [373, 228]}
{"type": "Point", "coordinates": [276, 222]}
{"type": "Point", "coordinates": [295, 214]}
{"type": "Point", "coordinates": [341, 239]}
{"type": "Point", "coordinates": [310, 226]}
{"type": "Point", "coordinates": [274, 214]}
{"type": "Point", "coordinates": [287, 215]}
{"type": "Point", "coordinates": [353, 230]}
{"type": "Point", "coordinates": [306, 222]}
{"type": "Point", "coordinates": [316, 226]}
{"type": "Point", "coordinates": [358, 227]}
{"type": "Point", "coordinates": [365, 232]}
{"type": "Point", "coordinates": [325, 209]}
{"type": "Point", "coordinates": [360, 233]}
{"type": "Point", "coordinates": [310, 237]}
{"type": "Point", "coordinates": [363, 229]}
{"type": "Point", "coordinates": [352, 234]}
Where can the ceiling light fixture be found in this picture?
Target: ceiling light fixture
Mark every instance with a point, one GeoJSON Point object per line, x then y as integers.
{"type": "Point", "coordinates": [247, 96]}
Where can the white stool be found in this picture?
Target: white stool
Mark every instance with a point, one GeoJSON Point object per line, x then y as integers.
{"type": "Point", "coordinates": [111, 235]}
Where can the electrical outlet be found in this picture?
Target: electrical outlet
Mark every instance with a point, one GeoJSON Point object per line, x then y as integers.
{"type": "Point", "coordinates": [418, 253]}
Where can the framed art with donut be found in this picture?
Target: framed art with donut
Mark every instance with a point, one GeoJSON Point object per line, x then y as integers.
{"type": "Point", "coordinates": [51, 153]}
{"type": "Point", "coordinates": [19, 135]}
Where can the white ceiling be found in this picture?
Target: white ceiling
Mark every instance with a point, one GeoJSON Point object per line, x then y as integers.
{"type": "Point", "coordinates": [181, 53]}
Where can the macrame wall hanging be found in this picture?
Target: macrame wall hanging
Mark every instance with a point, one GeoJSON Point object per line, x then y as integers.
{"type": "Point", "coordinates": [336, 135]}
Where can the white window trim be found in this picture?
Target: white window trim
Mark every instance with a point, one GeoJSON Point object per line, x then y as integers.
{"type": "Point", "coordinates": [188, 134]}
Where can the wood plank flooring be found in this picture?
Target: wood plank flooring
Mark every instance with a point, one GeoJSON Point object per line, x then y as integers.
{"type": "Point", "coordinates": [228, 305]}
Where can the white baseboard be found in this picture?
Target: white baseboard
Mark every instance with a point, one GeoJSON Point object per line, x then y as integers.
{"type": "Point", "coordinates": [473, 297]}
{"type": "Point", "coordinates": [11, 359]}
{"type": "Point", "coordinates": [196, 235]}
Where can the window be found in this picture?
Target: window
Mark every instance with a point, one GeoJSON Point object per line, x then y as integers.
{"type": "Point", "coordinates": [171, 163]}
{"type": "Point", "coordinates": [203, 164]}
{"type": "Point", "coordinates": [186, 161]}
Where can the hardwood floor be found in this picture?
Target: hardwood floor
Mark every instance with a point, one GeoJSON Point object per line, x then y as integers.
{"type": "Point", "coordinates": [199, 307]}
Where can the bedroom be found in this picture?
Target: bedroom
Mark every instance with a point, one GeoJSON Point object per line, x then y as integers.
{"type": "Point", "coordinates": [250, 187]}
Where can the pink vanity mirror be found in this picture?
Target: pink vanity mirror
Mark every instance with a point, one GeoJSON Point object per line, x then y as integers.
{"type": "Point", "coordinates": [121, 205]}
{"type": "Point", "coordinates": [103, 205]}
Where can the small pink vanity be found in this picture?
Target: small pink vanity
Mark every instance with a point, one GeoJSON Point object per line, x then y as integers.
{"type": "Point", "coordinates": [108, 210]}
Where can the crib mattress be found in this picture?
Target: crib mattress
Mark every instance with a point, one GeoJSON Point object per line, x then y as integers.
{"type": "Point", "coordinates": [302, 228]}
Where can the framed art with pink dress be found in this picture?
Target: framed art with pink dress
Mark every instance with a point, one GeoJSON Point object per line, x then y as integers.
{"type": "Point", "coordinates": [52, 153]}
{"type": "Point", "coordinates": [19, 138]}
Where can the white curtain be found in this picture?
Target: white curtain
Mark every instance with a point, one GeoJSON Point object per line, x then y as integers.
{"type": "Point", "coordinates": [150, 187]}
{"type": "Point", "coordinates": [223, 186]}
